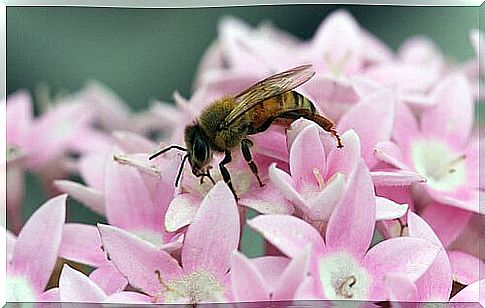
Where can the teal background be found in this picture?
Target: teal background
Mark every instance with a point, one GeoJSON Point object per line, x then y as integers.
{"type": "Point", "coordinates": [148, 53]}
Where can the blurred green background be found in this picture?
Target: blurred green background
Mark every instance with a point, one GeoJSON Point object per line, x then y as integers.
{"type": "Point", "coordinates": [148, 53]}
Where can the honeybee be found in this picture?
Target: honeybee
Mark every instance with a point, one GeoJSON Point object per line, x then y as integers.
{"type": "Point", "coordinates": [228, 122]}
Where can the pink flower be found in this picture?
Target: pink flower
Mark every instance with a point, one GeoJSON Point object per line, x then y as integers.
{"type": "Point", "coordinates": [205, 258]}
{"type": "Point", "coordinates": [445, 132]}
{"type": "Point", "coordinates": [339, 48]}
{"type": "Point", "coordinates": [320, 173]}
{"type": "Point", "coordinates": [33, 254]}
{"type": "Point", "coordinates": [342, 267]}
{"type": "Point", "coordinates": [130, 198]}
{"type": "Point", "coordinates": [39, 144]}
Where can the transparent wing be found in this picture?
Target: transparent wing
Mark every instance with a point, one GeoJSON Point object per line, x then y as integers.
{"type": "Point", "coordinates": [270, 87]}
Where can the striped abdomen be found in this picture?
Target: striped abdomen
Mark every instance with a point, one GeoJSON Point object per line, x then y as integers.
{"type": "Point", "coordinates": [288, 106]}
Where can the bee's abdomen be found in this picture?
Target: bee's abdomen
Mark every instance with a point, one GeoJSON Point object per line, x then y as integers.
{"type": "Point", "coordinates": [265, 113]}
{"type": "Point", "coordinates": [293, 100]}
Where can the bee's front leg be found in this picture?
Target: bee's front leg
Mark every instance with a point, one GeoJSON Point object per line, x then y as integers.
{"type": "Point", "coordinates": [225, 173]}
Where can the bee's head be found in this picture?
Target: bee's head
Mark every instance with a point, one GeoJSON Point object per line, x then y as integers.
{"type": "Point", "coordinates": [200, 154]}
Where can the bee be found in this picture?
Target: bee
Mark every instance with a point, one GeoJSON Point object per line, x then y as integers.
{"type": "Point", "coordinates": [226, 124]}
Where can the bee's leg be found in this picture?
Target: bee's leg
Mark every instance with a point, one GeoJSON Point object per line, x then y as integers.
{"type": "Point", "coordinates": [323, 122]}
{"type": "Point", "coordinates": [245, 145]}
{"type": "Point", "coordinates": [225, 173]}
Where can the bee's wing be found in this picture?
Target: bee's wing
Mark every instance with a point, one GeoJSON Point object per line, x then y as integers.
{"type": "Point", "coordinates": [270, 87]}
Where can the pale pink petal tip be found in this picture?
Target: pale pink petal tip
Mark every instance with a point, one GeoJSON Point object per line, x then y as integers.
{"type": "Point", "coordinates": [214, 232]}
{"type": "Point", "coordinates": [88, 196]}
{"type": "Point", "coordinates": [36, 248]}
{"type": "Point", "coordinates": [74, 286]}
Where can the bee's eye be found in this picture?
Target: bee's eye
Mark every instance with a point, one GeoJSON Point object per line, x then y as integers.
{"type": "Point", "coordinates": [200, 150]}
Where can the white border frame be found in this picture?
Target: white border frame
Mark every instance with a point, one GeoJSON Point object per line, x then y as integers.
{"type": "Point", "coordinates": [148, 4]}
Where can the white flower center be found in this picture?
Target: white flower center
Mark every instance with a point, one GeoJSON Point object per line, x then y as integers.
{"type": "Point", "coordinates": [442, 167]}
{"type": "Point", "coordinates": [196, 287]}
{"type": "Point", "coordinates": [19, 290]}
{"type": "Point", "coordinates": [342, 277]}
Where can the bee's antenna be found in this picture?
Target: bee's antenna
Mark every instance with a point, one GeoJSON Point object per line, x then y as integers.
{"type": "Point", "coordinates": [166, 150]}
{"type": "Point", "coordinates": [181, 169]}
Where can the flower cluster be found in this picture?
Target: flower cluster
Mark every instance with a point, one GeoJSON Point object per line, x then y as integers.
{"type": "Point", "coordinates": [392, 216]}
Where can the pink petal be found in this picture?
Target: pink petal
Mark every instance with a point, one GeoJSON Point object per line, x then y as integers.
{"type": "Point", "coordinates": [388, 209]}
{"type": "Point", "coordinates": [268, 200]}
{"type": "Point", "coordinates": [88, 196]}
{"type": "Point", "coordinates": [213, 234]}
{"type": "Point", "coordinates": [36, 247]}
{"type": "Point", "coordinates": [454, 114]}
{"type": "Point", "coordinates": [421, 51]}
{"type": "Point", "coordinates": [409, 256]}
{"type": "Point", "coordinates": [111, 111]}
{"type": "Point", "coordinates": [351, 224]}
{"type": "Point", "coordinates": [138, 260]}
{"type": "Point", "coordinates": [405, 127]}
{"type": "Point", "coordinates": [285, 185]}
{"type": "Point", "coordinates": [272, 143]}
{"type": "Point", "coordinates": [14, 190]}
{"type": "Point", "coordinates": [375, 50]}
{"type": "Point", "coordinates": [130, 202]}
{"type": "Point", "coordinates": [306, 155]}
{"type": "Point", "coordinates": [128, 297]}
{"type": "Point", "coordinates": [271, 268]}
{"type": "Point", "coordinates": [181, 211]}
{"type": "Point", "coordinates": [91, 167]}
{"type": "Point", "coordinates": [308, 290]}
{"type": "Point", "coordinates": [447, 221]}
{"type": "Point", "coordinates": [288, 233]}
{"type": "Point", "coordinates": [50, 135]}
{"type": "Point", "coordinates": [471, 294]}
{"type": "Point", "coordinates": [406, 77]}
{"type": "Point", "coordinates": [436, 283]}
{"type": "Point", "coordinates": [247, 282]}
{"type": "Point", "coordinates": [18, 118]}
{"type": "Point", "coordinates": [131, 142]}
{"type": "Point", "coordinates": [10, 239]}
{"type": "Point", "coordinates": [363, 86]}
{"type": "Point", "coordinates": [89, 140]}
{"type": "Point", "coordinates": [337, 42]}
{"type": "Point", "coordinates": [81, 243]}
{"type": "Point", "coordinates": [74, 286]}
{"type": "Point", "coordinates": [470, 236]}
{"type": "Point", "coordinates": [400, 288]}
{"type": "Point", "coordinates": [51, 295]}
{"type": "Point", "coordinates": [109, 279]}
{"type": "Point", "coordinates": [293, 276]}
{"type": "Point", "coordinates": [465, 267]}
{"type": "Point", "coordinates": [345, 159]}
{"type": "Point", "coordinates": [323, 203]}
{"type": "Point", "coordinates": [379, 110]}
{"type": "Point", "coordinates": [331, 95]}
{"type": "Point", "coordinates": [396, 178]}
{"type": "Point", "coordinates": [389, 153]}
